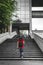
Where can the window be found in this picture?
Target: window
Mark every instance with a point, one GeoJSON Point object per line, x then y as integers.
{"type": "Point", "coordinates": [23, 10]}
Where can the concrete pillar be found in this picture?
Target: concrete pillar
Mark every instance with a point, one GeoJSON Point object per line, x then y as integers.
{"type": "Point", "coordinates": [30, 16]}
{"type": "Point", "coordinates": [10, 26]}
{"type": "Point", "coordinates": [18, 32]}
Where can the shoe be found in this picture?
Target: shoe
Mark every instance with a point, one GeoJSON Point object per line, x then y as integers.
{"type": "Point", "coordinates": [21, 57]}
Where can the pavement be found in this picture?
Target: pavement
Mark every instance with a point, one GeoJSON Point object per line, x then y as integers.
{"type": "Point", "coordinates": [21, 62]}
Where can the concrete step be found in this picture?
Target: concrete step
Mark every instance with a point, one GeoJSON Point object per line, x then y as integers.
{"type": "Point", "coordinates": [9, 49]}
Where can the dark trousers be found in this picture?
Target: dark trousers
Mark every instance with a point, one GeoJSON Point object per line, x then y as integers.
{"type": "Point", "coordinates": [21, 52]}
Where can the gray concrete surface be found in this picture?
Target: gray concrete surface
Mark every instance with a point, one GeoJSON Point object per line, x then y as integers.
{"type": "Point", "coordinates": [8, 49]}
{"type": "Point", "coordinates": [29, 62]}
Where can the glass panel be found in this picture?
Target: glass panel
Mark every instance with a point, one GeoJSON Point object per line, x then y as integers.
{"type": "Point", "coordinates": [22, 4]}
{"type": "Point", "coordinates": [23, 20]}
{"type": "Point", "coordinates": [27, 5]}
{"type": "Point", "coordinates": [23, 16]}
{"type": "Point", "coordinates": [22, 1]}
{"type": "Point", "coordinates": [27, 12]}
{"type": "Point", "coordinates": [27, 9]}
{"type": "Point", "coordinates": [22, 12]}
{"type": "Point", "coordinates": [27, 20]}
{"type": "Point", "coordinates": [23, 8]}
{"type": "Point", "coordinates": [27, 16]}
{"type": "Point", "coordinates": [27, 1]}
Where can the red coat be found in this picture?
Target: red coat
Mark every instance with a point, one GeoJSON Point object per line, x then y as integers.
{"type": "Point", "coordinates": [22, 40]}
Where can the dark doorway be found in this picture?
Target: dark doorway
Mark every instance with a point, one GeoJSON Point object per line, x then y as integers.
{"type": "Point", "coordinates": [20, 26]}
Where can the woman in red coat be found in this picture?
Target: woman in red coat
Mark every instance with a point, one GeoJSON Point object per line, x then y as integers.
{"type": "Point", "coordinates": [20, 45]}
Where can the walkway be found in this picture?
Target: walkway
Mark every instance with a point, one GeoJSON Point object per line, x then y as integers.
{"type": "Point", "coordinates": [21, 62]}
{"type": "Point", "coordinates": [8, 49]}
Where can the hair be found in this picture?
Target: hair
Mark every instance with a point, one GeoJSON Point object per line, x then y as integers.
{"type": "Point", "coordinates": [20, 37]}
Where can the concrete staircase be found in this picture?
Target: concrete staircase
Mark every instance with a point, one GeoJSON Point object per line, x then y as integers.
{"type": "Point", "coordinates": [8, 49]}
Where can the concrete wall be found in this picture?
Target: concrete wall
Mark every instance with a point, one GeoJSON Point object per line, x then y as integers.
{"type": "Point", "coordinates": [38, 37]}
{"type": "Point", "coordinates": [3, 37]}
{"type": "Point", "coordinates": [37, 23]}
{"type": "Point", "coordinates": [6, 35]}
